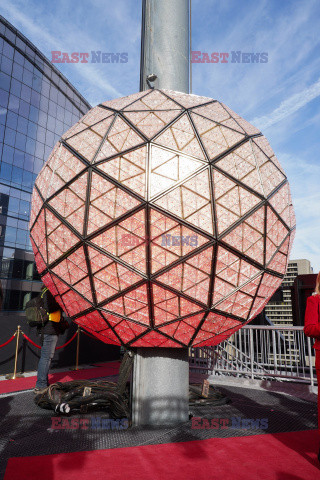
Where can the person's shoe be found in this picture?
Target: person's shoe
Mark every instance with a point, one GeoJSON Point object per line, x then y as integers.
{"type": "Point", "coordinates": [39, 391]}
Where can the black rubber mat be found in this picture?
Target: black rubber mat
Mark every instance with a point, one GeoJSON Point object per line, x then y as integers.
{"type": "Point", "coordinates": [26, 429]}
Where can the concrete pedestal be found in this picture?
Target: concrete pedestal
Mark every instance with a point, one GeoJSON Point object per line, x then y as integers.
{"type": "Point", "coordinates": [160, 386]}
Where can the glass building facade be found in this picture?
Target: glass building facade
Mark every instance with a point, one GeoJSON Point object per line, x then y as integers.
{"type": "Point", "coordinates": [37, 105]}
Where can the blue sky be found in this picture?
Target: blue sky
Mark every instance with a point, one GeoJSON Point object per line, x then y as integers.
{"type": "Point", "coordinates": [281, 97]}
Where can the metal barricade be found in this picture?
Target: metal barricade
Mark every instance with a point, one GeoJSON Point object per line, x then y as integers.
{"type": "Point", "coordinates": [262, 352]}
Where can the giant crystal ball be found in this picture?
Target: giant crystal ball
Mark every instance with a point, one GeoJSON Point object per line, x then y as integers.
{"type": "Point", "coordinates": [162, 219]}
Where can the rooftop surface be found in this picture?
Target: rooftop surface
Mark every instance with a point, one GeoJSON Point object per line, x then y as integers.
{"type": "Point", "coordinates": [252, 419]}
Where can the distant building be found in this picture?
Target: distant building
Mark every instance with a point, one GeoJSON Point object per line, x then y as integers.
{"type": "Point", "coordinates": [37, 105]}
{"type": "Point", "coordinates": [279, 310]}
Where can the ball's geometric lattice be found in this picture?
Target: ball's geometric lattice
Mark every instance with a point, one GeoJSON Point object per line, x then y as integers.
{"type": "Point", "coordinates": [162, 219]}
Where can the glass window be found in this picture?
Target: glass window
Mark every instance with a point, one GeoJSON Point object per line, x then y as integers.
{"type": "Point", "coordinates": [7, 154]}
{"type": "Point", "coordinates": [28, 162]}
{"type": "Point", "coordinates": [30, 146]}
{"type": "Point", "coordinates": [27, 179]}
{"type": "Point", "coordinates": [30, 52]}
{"type": "Point", "coordinates": [17, 268]}
{"type": "Point", "coordinates": [32, 130]}
{"type": "Point", "coordinates": [25, 206]}
{"type": "Point", "coordinates": [42, 119]}
{"type": "Point", "coordinates": [10, 235]}
{"type": "Point", "coordinates": [10, 136]}
{"type": "Point", "coordinates": [41, 134]}
{"type": "Point", "coordinates": [59, 128]}
{"type": "Point", "coordinates": [17, 175]}
{"type": "Point", "coordinates": [20, 44]}
{"type": "Point", "coordinates": [37, 165]}
{"type": "Point", "coordinates": [6, 65]}
{"type": "Point", "coordinates": [36, 83]}
{"type": "Point", "coordinates": [67, 118]}
{"type": "Point", "coordinates": [45, 88]}
{"type": "Point", "coordinates": [53, 94]}
{"type": "Point", "coordinates": [51, 123]}
{"type": "Point", "coordinates": [13, 206]}
{"type": "Point", "coordinates": [10, 35]}
{"type": "Point", "coordinates": [22, 125]}
{"type": "Point", "coordinates": [4, 97]}
{"type": "Point", "coordinates": [35, 99]}
{"type": "Point", "coordinates": [5, 81]}
{"type": "Point", "coordinates": [12, 120]}
{"type": "Point", "coordinates": [5, 171]}
{"type": "Point", "coordinates": [17, 71]}
{"type": "Point", "coordinates": [24, 108]}
{"type": "Point", "coordinates": [12, 222]}
{"type": "Point", "coordinates": [7, 50]}
{"type": "Point", "coordinates": [28, 270]}
{"type": "Point", "coordinates": [3, 119]}
{"type": "Point", "coordinates": [44, 104]}
{"type": "Point", "coordinates": [26, 196]}
{"type": "Point", "coordinates": [39, 62]}
{"type": "Point", "coordinates": [26, 93]}
{"type": "Point", "coordinates": [28, 66]}
{"type": "Point", "coordinates": [52, 108]}
{"type": "Point", "coordinates": [61, 100]}
{"type": "Point", "coordinates": [39, 151]}
{"type": "Point", "coordinates": [22, 236]}
{"type": "Point", "coordinates": [50, 138]}
{"type": "Point", "coordinates": [33, 114]}
{"type": "Point", "coordinates": [14, 103]}
{"type": "Point", "coordinates": [18, 158]}
{"type": "Point", "coordinates": [15, 88]}
{"type": "Point", "coordinates": [18, 58]}
{"type": "Point", "coordinates": [20, 141]}
{"type": "Point", "coordinates": [61, 113]}
{"type": "Point", "coordinates": [27, 77]}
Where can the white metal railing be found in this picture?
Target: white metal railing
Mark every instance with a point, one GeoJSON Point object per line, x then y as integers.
{"type": "Point", "coordinates": [278, 352]}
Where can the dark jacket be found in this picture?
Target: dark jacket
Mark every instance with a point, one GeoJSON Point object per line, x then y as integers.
{"type": "Point", "coordinates": [51, 305]}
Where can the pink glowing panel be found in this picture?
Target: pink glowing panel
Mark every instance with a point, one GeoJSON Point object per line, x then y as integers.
{"type": "Point", "coordinates": [128, 169]}
{"type": "Point", "coordinates": [241, 164]}
{"type": "Point", "coordinates": [216, 138]}
{"type": "Point", "coordinates": [162, 219]}
{"type": "Point", "coordinates": [168, 168]}
{"type": "Point", "coordinates": [181, 136]}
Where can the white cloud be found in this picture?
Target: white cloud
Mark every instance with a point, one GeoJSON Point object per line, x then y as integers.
{"type": "Point", "coordinates": [289, 106]}
{"type": "Point", "coordinates": [68, 36]}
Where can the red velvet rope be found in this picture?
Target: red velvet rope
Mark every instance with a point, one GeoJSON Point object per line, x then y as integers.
{"type": "Point", "coordinates": [8, 341]}
{"type": "Point", "coordinates": [88, 334]}
{"type": "Point", "coordinates": [29, 340]}
{"type": "Point", "coordinates": [57, 348]}
{"type": "Point", "coordinates": [69, 341]}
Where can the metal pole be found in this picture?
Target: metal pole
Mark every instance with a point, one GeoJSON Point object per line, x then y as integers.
{"type": "Point", "coordinates": [251, 353]}
{"type": "Point", "coordinates": [165, 44]}
{"type": "Point", "coordinates": [14, 375]}
{"type": "Point", "coordinates": [77, 351]}
{"type": "Point", "coordinates": [161, 375]}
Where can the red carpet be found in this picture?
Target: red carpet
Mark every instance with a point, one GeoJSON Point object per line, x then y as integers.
{"type": "Point", "coordinates": [103, 370]}
{"type": "Point", "coordinates": [281, 456]}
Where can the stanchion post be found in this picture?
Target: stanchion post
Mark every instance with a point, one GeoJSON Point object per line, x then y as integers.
{"type": "Point", "coordinates": [77, 352]}
{"type": "Point", "coordinates": [14, 375]}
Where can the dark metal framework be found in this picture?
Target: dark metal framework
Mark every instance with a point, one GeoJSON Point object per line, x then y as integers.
{"type": "Point", "coordinates": [206, 320]}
